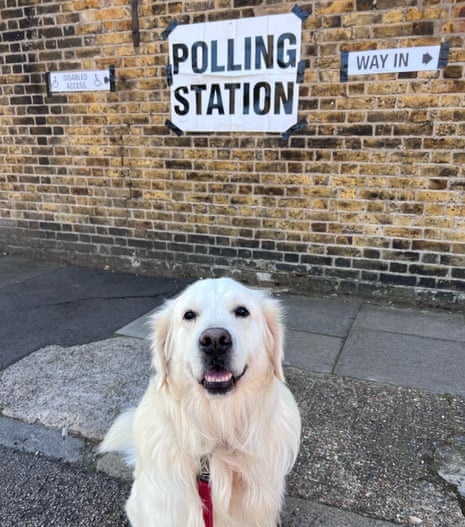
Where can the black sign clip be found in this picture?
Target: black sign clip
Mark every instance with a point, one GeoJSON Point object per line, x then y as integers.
{"type": "Point", "coordinates": [173, 127]}
{"type": "Point", "coordinates": [171, 26]}
{"type": "Point", "coordinates": [169, 74]}
{"type": "Point", "coordinates": [111, 78]}
{"type": "Point", "coordinates": [344, 66]}
{"type": "Point", "coordinates": [300, 12]}
{"type": "Point", "coordinates": [443, 55]}
{"type": "Point", "coordinates": [301, 71]}
{"type": "Point", "coordinates": [294, 129]}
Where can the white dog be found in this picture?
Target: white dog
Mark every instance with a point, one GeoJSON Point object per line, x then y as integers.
{"type": "Point", "coordinates": [218, 394]}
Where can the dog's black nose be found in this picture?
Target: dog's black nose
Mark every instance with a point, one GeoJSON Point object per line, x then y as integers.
{"type": "Point", "coordinates": [215, 341]}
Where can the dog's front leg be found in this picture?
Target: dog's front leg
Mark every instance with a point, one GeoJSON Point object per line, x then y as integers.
{"type": "Point", "coordinates": [164, 502]}
{"type": "Point", "coordinates": [256, 507]}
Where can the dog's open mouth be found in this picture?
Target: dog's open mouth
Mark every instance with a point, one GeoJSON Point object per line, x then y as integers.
{"type": "Point", "coordinates": [219, 381]}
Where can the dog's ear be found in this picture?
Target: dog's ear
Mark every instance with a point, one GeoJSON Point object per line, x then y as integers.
{"type": "Point", "coordinates": [161, 342]}
{"type": "Point", "coordinates": [273, 317]}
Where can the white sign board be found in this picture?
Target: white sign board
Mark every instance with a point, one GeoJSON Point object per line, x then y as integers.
{"type": "Point", "coordinates": [397, 60]}
{"type": "Point", "coordinates": [81, 80]}
{"type": "Point", "coordinates": [235, 75]}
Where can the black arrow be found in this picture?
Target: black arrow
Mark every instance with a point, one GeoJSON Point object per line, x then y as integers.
{"type": "Point", "coordinates": [427, 58]}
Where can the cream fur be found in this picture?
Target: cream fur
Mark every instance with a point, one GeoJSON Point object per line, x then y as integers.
{"type": "Point", "coordinates": [251, 435]}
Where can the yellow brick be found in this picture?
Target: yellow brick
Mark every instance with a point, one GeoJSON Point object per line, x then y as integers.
{"type": "Point", "coordinates": [89, 16]}
{"type": "Point", "coordinates": [455, 210]}
{"type": "Point", "coordinates": [335, 7]}
{"type": "Point", "coordinates": [418, 101]}
{"type": "Point", "coordinates": [337, 35]}
{"type": "Point", "coordinates": [396, 15]}
{"type": "Point", "coordinates": [84, 5]}
{"type": "Point", "coordinates": [88, 28]}
{"type": "Point", "coordinates": [399, 232]}
{"type": "Point", "coordinates": [348, 193]}
{"type": "Point", "coordinates": [414, 14]}
{"type": "Point", "coordinates": [113, 13]}
{"type": "Point", "coordinates": [156, 195]}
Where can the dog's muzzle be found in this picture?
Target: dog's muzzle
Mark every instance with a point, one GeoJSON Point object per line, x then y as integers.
{"type": "Point", "coordinates": [216, 345]}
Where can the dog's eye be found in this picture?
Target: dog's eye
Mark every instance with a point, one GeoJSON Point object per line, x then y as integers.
{"type": "Point", "coordinates": [189, 315]}
{"type": "Point", "coordinates": [241, 311]}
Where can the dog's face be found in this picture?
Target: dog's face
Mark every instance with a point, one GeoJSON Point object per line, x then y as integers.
{"type": "Point", "coordinates": [217, 334]}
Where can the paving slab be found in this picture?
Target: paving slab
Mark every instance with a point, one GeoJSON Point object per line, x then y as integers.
{"type": "Point", "coordinates": [311, 351]}
{"type": "Point", "coordinates": [55, 444]}
{"type": "Point", "coordinates": [138, 328]}
{"type": "Point", "coordinates": [82, 388]}
{"type": "Point", "coordinates": [406, 360]}
{"type": "Point", "coordinates": [438, 325]}
{"type": "Point", "coordinates": [325, 316]}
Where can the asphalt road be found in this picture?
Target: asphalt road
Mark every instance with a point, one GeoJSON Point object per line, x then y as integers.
{"type": "Point", "coordinates": [38, 492]}
{"type": "Point", "coordinates": [43, 304]}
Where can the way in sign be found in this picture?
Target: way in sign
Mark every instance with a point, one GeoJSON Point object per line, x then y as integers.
{"type": "Point", "coordinates": [418, 58]}
{"type": "Point", "coordinates": [377, 62]}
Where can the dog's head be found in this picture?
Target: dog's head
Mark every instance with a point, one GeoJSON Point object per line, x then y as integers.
{"type": "Point", "coordinates": [218, 334]}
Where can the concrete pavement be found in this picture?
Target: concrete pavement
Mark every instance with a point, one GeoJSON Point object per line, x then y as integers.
{"type": "Point", "coordinates": [381, 390]}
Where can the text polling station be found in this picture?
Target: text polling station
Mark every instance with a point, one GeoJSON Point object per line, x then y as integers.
{"type": "Point", "coordinates": [235, 75]}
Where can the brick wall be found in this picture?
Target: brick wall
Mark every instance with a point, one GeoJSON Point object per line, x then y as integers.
{"type": "Point", "coordinates": [369, 198]}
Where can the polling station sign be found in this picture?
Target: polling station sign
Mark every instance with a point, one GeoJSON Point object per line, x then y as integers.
{"type": "Point", "coordinates": [235, 75]}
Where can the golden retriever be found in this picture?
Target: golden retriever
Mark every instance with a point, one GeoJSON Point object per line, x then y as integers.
{"type": "Point", "coordinates": [218, 394]}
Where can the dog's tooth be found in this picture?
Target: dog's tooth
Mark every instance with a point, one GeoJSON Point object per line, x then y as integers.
{"type": "Point", "coordinates": [218, 377]}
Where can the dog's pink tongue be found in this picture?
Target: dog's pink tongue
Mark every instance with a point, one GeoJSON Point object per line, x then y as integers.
{"type": "Point", "coordinates": [218, 376]}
